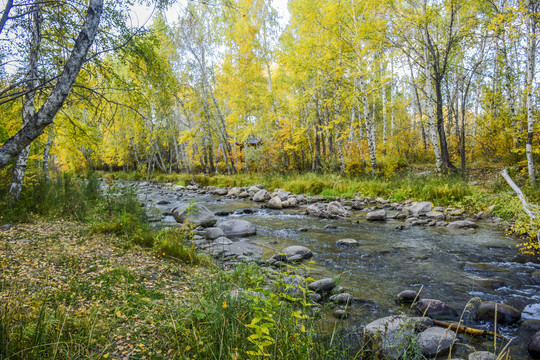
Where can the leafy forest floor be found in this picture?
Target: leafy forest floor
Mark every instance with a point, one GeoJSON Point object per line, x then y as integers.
{"type": "Point", "coordinates": [74, 293]}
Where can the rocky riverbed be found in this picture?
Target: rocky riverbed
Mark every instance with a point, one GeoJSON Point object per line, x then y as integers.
{"type": "Point", "coordinates": [364, 252]}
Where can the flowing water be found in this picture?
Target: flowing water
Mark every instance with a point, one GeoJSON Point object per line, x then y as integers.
{"type": "Point", "coordinates": [453, 266]}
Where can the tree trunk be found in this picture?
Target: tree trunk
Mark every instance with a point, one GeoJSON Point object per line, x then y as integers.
{"type": "Point", "coordinates": [45, 115]}
{"type": "Point", "coordinates": [46, 154]}
{"type": "Point", "coordinates": [445, 156]}
{"type": "Point", "coordinates": [5, 14]}
{"type": "Point", "coordinates": [370, 127]}
{"type": "Point", "coordinates": [29, 100]}
{"type": "Point", "coordinates": [430, 112]}
{"type": "Point", "coordinates": [531, 55]}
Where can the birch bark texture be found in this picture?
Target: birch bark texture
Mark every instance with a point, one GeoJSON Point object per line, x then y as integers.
{"type": "Point", "coordinates": [45, 115]}
{"type": "Point", "coordinates": [29, 99]}
{"type": "Point", "coordinates": [532, 6]}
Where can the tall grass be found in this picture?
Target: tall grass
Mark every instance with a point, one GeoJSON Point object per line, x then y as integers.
{"type": "Point", "coordinates": [61, 197]}
{"type": "Point", "coordinates": [440, 190]}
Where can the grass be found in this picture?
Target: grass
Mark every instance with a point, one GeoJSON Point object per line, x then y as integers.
{"type": "Point", "coordinates": [440, 190]}
{"type": "Point", "coordinates": [67, 295]}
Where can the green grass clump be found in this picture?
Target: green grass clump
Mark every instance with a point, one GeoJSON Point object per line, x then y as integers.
{"type": "Point", "coordinates": [175, 243]}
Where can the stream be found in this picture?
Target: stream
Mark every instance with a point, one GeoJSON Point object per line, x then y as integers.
{"type": "Point", "coordinates": [452, 266]}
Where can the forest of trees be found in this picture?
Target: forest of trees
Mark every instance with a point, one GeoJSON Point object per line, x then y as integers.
{"type": "Point", "coordinates": [346, 86]}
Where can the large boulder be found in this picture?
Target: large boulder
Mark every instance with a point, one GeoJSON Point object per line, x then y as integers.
{"type": "Point", "coordinates": [420, 209]}
{"type": "Point", "coordinates": [237, 228]}
{"type": "Point", "coordinates": [275, 203]}
{"type": "Point", "coordinates": [314, 210]}
{"type": "Point", "coordinates": [234, 192]}
{"type": "Point", "coordinates": [435, 309]}
{"type": "Point", "coordinates": [221, 191]}
{"type": "Point", "coordinates": [261, 196]}
{"type": "Point", "coordinates": [335, 209]}
{"type": "Point", "coordinates": [283, 195]}
{"type": "Point", "coordinates": [435, 341]}
{"type": "Point", "coordinates": [253, 189]}
{"type": "Point", "coordinates": [293, 202]}
{"type": "Point", "coordinates": [534, 346]}
{"type": "Point", "coordinates": [196, 214]}
{"type": "Point", "coordinates": [462, 224]}
{"type": "Point", "coordinates": [506, 314]}
{"type": "Point", "coordinates": [392, 335]}
{"type": "Point", "coordinates": [377, 215]}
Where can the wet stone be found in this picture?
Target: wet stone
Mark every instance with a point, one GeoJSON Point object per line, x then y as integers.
{"type": "Point", "coordinates": [435, 309]}
{"type": "Point", "coordinates": [347, 242]}
{"type": "Point", "coordinates": [535, 277]}
{"type": "Point", "coordinates": [342, 299]}
{"type": "Point", "coordinates": [406, 296]}
{"type": "Point", "coordinates": [506, 314]}
{"type": "Point", "coordinates": [322, 286]}
{"type": "Point", "coordinates": [534, 346]}
{"type": "Point", "coordinates": [482, 355]}
{"type": "Point", "coordinates": [340, 314]}
{"type": "Point", "coordinates": [435, 341]}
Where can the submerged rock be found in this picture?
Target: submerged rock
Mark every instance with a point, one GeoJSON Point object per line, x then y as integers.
{"type": "Point", "coordinates": [534, 346]}
{"type": "Point", "coordinates": [340, 314]}
{"type": "Point", "coordinates": [462, 224]}
{"type": "Point", "coordinates": [435, 309]}
{"type": "Point", "coordinates": [347, 242]}
{"type": "Point", "coordinates": [406, 296]}
{"type": "Point", "coordinates": [506, 314]}
{"type": "Point", "coordinates": [535, 277]}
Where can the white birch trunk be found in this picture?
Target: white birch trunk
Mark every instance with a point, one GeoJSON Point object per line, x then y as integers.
{"type": "Point", "coordinates": [383, 94]}
{"type": "Point", "coordinates": [370, 127]}
{"type": "Point", "coordinates": [430, 111]}
{"type": "Point", "coordinates": [29, 101]}
{"type": "Point", "coordinates": [47, 154]}
{"type": "Point", "coordinates": [531, 52]}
